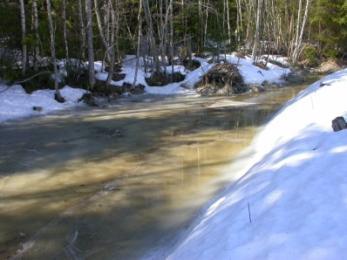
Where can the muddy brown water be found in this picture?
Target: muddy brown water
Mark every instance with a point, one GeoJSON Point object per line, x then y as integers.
{"type": "Point", "coordinates": [116, 183]}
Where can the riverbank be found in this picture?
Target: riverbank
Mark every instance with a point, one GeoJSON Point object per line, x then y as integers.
{"type": "Point", "coordinates": [15, 103]}
{"type": "Point", "coordinates": [115, 183]}
{"type": "Point", "coordinates": [290, 201]}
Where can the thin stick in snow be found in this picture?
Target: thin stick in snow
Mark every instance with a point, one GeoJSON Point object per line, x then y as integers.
{"type": "Point", "coordinates": [249, 213]}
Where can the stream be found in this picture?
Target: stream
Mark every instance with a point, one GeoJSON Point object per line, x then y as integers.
{"type": "Point", "coordinates": [118, 182]}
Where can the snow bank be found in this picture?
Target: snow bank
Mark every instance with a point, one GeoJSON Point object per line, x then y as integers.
{"type": "Point", "coordinates": [16, 103]}
{"type": "Point", "coordinates": [251, 74]}
{"type": "Point", "coordinates": [292, 203]}
{"type": "Point", "coordinates": [255, 75]}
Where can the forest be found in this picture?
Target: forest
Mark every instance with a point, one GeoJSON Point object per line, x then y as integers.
{"type": "Point", "coordinates": [36, 34]}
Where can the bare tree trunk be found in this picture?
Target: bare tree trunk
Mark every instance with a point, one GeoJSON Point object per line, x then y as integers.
{"type": "Point", "coordinates": [52, 46]}
{"type": "Point", "coordinates": [172, 52]}
{"type": "Point", "coordinates": [206, 23]}
{"type": "Point", "coordinates": [90, 35]}
{"type": "Point", "coordinates": [24, 45]}
{"type": "Point", "coordinates": [152, 43]}
{"type": "Point", "coordinates": [298, 22]}
{"type": "Point", "coordinates": [82, 29]}
{"type": "Point", "coordinates": [112, 41]}
{"type": "Point", "coordinates": [101, 30]}
{"type": "Point", "coordinates": [37, 36]}
{"type": "Point", "coordinates": [257, 29]}
{"type": "Point", "coordinates": [298, 47]}
{"type": "Point", "coordinates": [200, 28]}
{"type": "Point", "coordinates": [228, 21]}
{"type": "Point", "coordinates": [139, 34]}
{"type": "Point", "coordinates": [238, 22]}
{"type": "Point", "coordinates": [65, 30]}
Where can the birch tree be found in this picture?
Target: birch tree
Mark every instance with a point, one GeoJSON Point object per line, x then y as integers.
{"type": "Point", "coordinates": [24, 45]}
{"type": "Point", "coordinates": [298, 44]}
{"type": "Point", "coordinates": [58, 97]}
{"type": "Point", "coordinates": [65, 29]}
{"type": "Point", "coordinates": [90, 42]}
{"type": "Point", "coordinates": [36, 31]}
{"type": "Point", "coordinates": [257, 31]}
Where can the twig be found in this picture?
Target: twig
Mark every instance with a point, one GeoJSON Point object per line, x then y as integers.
{"type": "Point", "coordinates": [249, 213]}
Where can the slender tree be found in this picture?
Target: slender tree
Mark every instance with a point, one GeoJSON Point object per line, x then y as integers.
{"type": "Point", "coordinates": [24, 45]}
{"type": "Point", "coordinates": [58, 96]}
{"type": "Point", "coordinates": [90, 41]}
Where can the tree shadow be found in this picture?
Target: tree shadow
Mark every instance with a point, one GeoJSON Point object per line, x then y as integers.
{"type": "Point", "coordinates": [100, 207]}
{"type": "Point", "coordinates": [295, 191]}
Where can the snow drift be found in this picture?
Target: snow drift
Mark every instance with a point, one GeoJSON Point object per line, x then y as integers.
{"type": "Point", "coordinates": [16, 103]}
{"type": "Point", "coordinates": [251, 74]}
{"type": "Point", "coordinates": [292, 202]}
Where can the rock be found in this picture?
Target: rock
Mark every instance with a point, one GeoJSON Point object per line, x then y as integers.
{"type": "Point", "coordinates": [222, 79]}
{"type": "Point", "coordinates": [88, 99]}
{"type": "Point", "coordinates": [58, 97]}
{"type": "Point", "coordinates": [37, 108]}
{"type": "Point", "coordinates": [339, 123]}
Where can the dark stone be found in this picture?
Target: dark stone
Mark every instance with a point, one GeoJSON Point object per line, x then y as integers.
{"type": "Point", "coordinates": [88, 99]}
{"type": "Point", "coordinates": [58, 97]}
{"type": "Point", "coordinates": [37, 108]}
{"type": "Point", "coordinates": [339, 124]}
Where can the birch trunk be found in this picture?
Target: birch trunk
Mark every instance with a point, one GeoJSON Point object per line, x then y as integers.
{"type": "Point", "coordinates": [111, 44]}
{"type": "Point", "coordinates": [65, 30]}
{"type": "Point", "coordinates": [139, 34]}
{"type": "Point", "coordinates": [90, 43]}
{"type": "Point", "coordinates": [52, 47]}
{"type": "Point", "coordinates": [37, 36]}
{"type": "Point", "coordinates": [82, 29]}
{"type": "Point", "coordinates": [24, 45]}
{"type": "Point", "coordinates": [298, 47]}
{"type": "Point", "coordinates": [257, 29]}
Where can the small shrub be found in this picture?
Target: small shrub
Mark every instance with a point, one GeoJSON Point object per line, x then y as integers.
{"type": "Point", "coordinates": [310, 56]}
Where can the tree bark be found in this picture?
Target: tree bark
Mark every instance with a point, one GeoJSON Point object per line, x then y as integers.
{"type": "Point", "coordinates": [65, 30]}
{"type": "Point", "coordinates": [90, 43]}
{"type": "Point", "coordinates": [37, 36]}
{"type": "Point", "coordinates": [52, 46]}
{"type": "Point", "coordinates": [82, 29]}
{"type": "Point", "coordinates": [139, 34]}
{"type": "Point", "coordinates": [298, 47]}
{"type": "Point", "coordinates": [257, 29]}
{"type": "Point", "coordinates": [24, 45]}
{"type": "Point", "coordinates": [111, 43]}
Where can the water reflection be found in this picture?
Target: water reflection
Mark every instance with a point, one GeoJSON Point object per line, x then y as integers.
{"type": "Point", "coordinates": [114, 183]}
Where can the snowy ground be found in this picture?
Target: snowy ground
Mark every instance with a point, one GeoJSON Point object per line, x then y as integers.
{"type": "Point", "coordinates": [251, 74]}
{"type": "Point", "coordinates": [292, 202]}
{"type": "Point", "coordinates": [15, 103]}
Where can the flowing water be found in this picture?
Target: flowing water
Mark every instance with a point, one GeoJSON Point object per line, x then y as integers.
{"type": "Point", "coordinates": [114, 183]}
